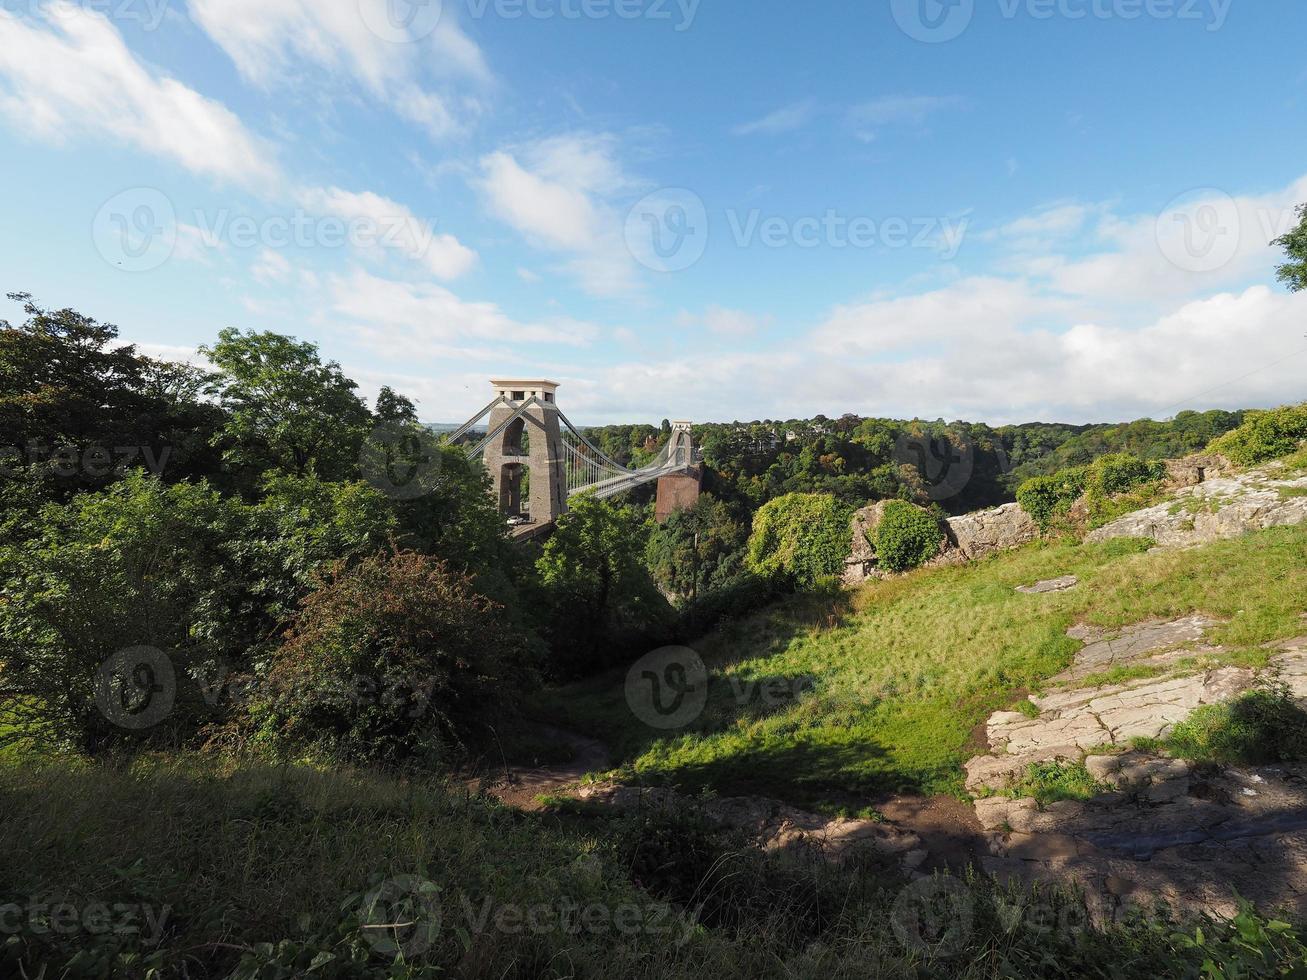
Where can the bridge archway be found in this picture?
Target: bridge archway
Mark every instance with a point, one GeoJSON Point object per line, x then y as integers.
{"type": "Point", "coordinates": [537, 459]}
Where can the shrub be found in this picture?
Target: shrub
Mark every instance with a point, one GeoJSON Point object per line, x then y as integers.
{"type": "Point", "coordinates": [906, 536]}
{"type": "Point", "coordinates": [1264, 436]}
{"type": "Point", "coordinates": [800, 538]}
{"type": "Point", "coordinates": [395, 657]}
{"type": "Point", "coordinates": [1120, 473]}
{"type": "Point", "coordinates": [1260, 727]}
{"type": "Point", "coordinates": [1045, 498]}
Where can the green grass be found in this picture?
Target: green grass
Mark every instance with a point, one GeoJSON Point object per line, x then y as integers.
{"type": "Point", "coordinates": [1123, 674]}
{"type": "Point", "coordinates": [1257, 728]}
{"type": "Point", "coordinates": [1290, 493]}
{"type": "Point", "coordinates": [1052, 782]}
{"type": "Point", "coordinates": [260, 872]}
{"type": "Point", "coordinates": [895, 679]}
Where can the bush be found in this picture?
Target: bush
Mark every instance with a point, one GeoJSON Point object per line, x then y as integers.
{"type": "Point", "coordinates": [906, 536]}
{"type": "Point", "coordinates": [1258, 728]}
{"type": "Point", "coordinates": [1120, 473]}
{"type": "Point", "coordinates": [800, 538]}
{"type": "Point", "coordinates": [1045, 498]}
{"type": "Point", "coordinates": [395, 657]}
{"type": "Point", "coordinates": [1264, 436]}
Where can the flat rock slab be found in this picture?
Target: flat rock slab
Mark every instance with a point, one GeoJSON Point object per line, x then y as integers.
{"type": "Point", "coordinates": [1104, 650]}
{"type": "Point", "coordinates": [1224, 508]}
{"type": "Point", "coordinates": [1160, 828]}
{"type": "Point", "coordinates": [1050, 585]}
{"type": "Point", "coordinates": [1239, 832]}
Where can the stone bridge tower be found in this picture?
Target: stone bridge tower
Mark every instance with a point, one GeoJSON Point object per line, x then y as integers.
{"type": "Point", "coordinates": [527, 458]}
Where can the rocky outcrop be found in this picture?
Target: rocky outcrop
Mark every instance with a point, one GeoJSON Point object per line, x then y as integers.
{"type": "Point", "coordinates": [1193, 470]}
{"type": "Point", "coordinates": [1226, 507]}
{"type": "Point", "coordinates": [861, 563]}
{"type": "Point", "coordinates": [966, 538]}
{"type": "Point", "coordinates": [986, 532]}
{"type": "Point", "coordinates": [1157, 828]}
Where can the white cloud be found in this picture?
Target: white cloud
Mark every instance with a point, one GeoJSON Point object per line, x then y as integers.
{"type": "Point", "coordinates": [270, 267]}
{"type": "Point", "coordinates": [559, 194]}
{"type": "Point", "coordinates": [423, 320]}
{"type": "Point", "coordinates": [782, 120]}
{"type": "Point", "coordinates": [69, 72]}
{"type": "Point", "coordinates": [725, 322]}
{"type": "Point", "coordinates": [386, 224]}
{"type": "Point", "coordinates": [913, 110]}
{"type": "Point", "coordinates": [273, 41]}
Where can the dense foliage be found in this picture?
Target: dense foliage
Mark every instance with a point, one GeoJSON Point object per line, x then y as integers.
{"type": "Point", "coordinates": [1293, 273]}
{"type": "Point", "coordinates": [394, 657]}
{"type": "Point", "coordinates": [800, 538]}
{"type": "Point", "coordinates": [1049, 498]}
{"type": "Point", "coordinates": [602, 601]}
{"type": "Point", "coordinates": [906, 536]}
{"type": "Point", "coordinates": [1265, 435]}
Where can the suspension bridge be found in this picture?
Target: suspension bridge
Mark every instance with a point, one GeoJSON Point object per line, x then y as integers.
{"type": "Point", "coordinates": [538, 460]}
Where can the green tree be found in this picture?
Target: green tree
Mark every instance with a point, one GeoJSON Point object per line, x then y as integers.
{"type": "Point", "coordinates": [800, 538]}
{"type": "Point", "coordinates": [286, 408]}
{"type": "Point", "coordinates": [141, 565]}
{"type": "Point", "coordinates": [77, 408]}
{"type": "Point", "coordinates": [697, 549]}
{"type": "Point", "coordinates": [1294, 272]}
{"type": "Point", "coordinates": [394, 657]}
{"type": "Point", "coordinates": [600, 593]}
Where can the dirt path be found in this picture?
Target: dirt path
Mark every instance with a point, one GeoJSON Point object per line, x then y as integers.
{"type": "Point", "coordinates": [519, 786]}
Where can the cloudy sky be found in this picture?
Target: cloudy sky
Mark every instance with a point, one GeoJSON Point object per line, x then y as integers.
{"type": "Point", "coordinates": [1000, 210]}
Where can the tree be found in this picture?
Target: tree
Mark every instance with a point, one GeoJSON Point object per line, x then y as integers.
{"type": "Point", "coordinates": [286, 408]}
{"type": "Point", "coordinates": [1294, 272]}
{"type": "Point", "coordinates": [697, 549]}
{"type": "Point", "coordinates": [394, 407]}
{"type": "Point", "coordinates": [77, 409]}
{"type": "Point", "coordinates": [394, 657]}
{"type": "Point", "coordinates": [599, 591]}
{"type": "Point", "coordinates": [108, 608]}
{"type": "Point", "coordinates": [800, 538]}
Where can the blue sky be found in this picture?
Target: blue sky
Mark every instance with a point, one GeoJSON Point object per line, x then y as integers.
{"type": "Point", "coordinates": [1001, 210]}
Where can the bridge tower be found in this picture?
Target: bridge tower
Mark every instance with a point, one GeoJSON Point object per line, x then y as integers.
{"type": "Point", "coordinates": [530, 451]}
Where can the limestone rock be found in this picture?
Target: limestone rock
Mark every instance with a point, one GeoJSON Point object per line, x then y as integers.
{"type": "Point", "coordinates": [1050, 585]}
{"type": "Point", "coordinates": [1226, 507]}
{"type": "Point", "coordinates": [986, 532]}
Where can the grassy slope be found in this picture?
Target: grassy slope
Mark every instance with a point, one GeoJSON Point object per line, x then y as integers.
{"type": "Point", "coordinates": [897, 680]}
{"type": "Point", "coordinates": [245, 853]}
